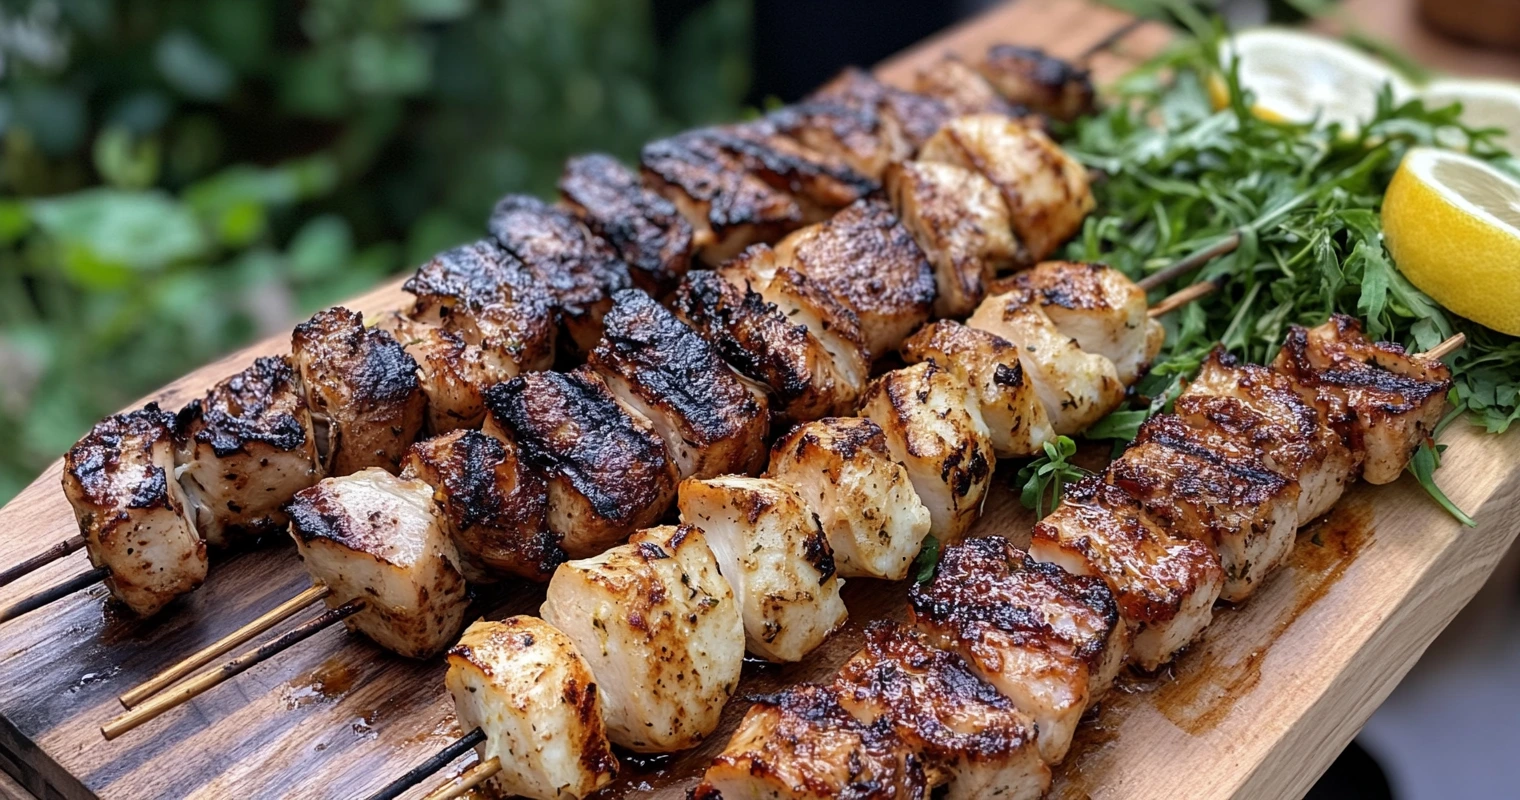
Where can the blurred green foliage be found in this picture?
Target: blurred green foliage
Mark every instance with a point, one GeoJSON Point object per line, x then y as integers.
{"type": "Point", "coordinates": [180, 176]}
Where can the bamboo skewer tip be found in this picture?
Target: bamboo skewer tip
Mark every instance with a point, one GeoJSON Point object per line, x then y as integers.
{"type": "Point", "coordinates": [465, 781]}
{"type": "Point", "coordinates": [52, 594]}
{"type": "Point", "coordinates": [1447, 347]}
{"type": "Point", "coordinates": [42, 559]}
{"type": "Point", "coordinates": [436, 762]}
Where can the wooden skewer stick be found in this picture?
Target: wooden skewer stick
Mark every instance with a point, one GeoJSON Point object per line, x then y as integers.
{"type": "Point", "coordinates": [1182, 297]}
{"type": "Point", "coordinates": [1446, 347]}
{"type": "Point", "coordinates": [1192, 262]}
{"type": "Point", "coordinates": [465, 781]}
{"type": "Point", "coordinates": [43, 558]}
{"type": "Point", "coordinates": [52, 593]}
{"type": "Point", "coordinates": [417, 774]}
{"type": "Point", "coordinates": [222, 646]}
{"type": "Point", "coordinates": [206, 680]}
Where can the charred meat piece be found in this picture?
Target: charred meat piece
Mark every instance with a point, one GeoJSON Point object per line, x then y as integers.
{"type": "Point", "coordinates": [1016, 420]}
{"type": "Point", "coordinates": [580, 271]}
{"type": "Point", "coordinates": [943, 443]}
{"type": "Point", "coordinates": [1042, 83]}
{"type": "Point", "coordinates": [961, 222]}
{"type": "Point", "coordinates": [1046, 190]}
{"type": "Point", "coordinates": [1100, 308]}
{"type": "Point", "coordinates": [484, 295]}
{"type": "Point", "coordinates": [907, 119]}
{"type": "Point", "coordinates": [821, 184]}
{"type": "Point", "coordinates": [374, 537]}
{"type": "Point", "coordinates": [865, 258]}
{"type": "Point", "coordinates": [1389, 400]}
{"type": "Point", "coordinates": [660, 627]}
{"type": "Point", "coordinates": [967, 733]}
{"type": "Point", "coordinates": [1049, 640]}
{"type": "Point", "coordinates": [808, 303]}
{"type": "Point", "coordinates": [843, 471]}
{"type": "Point", "coordinates": [657, 364]}
{"type": "Point", "coordinates": [608, 471]}
{"type": "Point", "coordinates": [1261, 407]}
{"type": "Point", "coordinates": [119, 479]}
{"type": "Point", "coordinates": [962, 89]}
{"type": "Point", "coordinates": [361, 388]}
{"type": "Point", "coordinates": [646, 230]}
{"type": "Point", "coordinates": [453, 373]}
{"type": "Point", "coordinates": [775, 556]}
{"type": "Point", "coordinates": [1165, 585]}
{"type": "Point", "coordinates": [1210, 486]}
{"type": "Point", "coordinates": [245, 449]}
{"type": "Point", "coordinates": [526, 686]}
{"type": "Point", "coordinates": [1075, 387]}
{"type": "Point", "coordinates": [494, 507]}
{"type": "Point", "coordinates": [728, 206]}
{"type": "Point", "coordinates": [858, 135]}
{"type": "Point", "coordinates": [763, 345]}
{"type": "Point", "coordinates": [800, 744]}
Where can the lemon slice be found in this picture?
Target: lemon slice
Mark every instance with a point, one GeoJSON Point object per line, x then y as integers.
{"type": "Point", "coordinates": [1485, 104]}
{"type": "Point", "coordinates": [1452, 223]}
{"type": "Point", "coordinates": [1297, 76]}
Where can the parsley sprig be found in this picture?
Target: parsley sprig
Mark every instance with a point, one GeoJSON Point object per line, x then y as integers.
{"type": "Point", "coordinates": [1044, 477]}
{"type": "Point", "coordinates": [1179, 175]}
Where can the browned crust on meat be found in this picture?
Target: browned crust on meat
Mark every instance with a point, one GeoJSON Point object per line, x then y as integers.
{"type": "Point", "coordinates": [646, 230]}
{"type": "Point", "coordinates": [488, 297]}
{"type": "Point", "coordinates": [258, 406]}
{"type": "Point", "coordinates": [92, 463]}
{"type": "Point", "coordinates": [1029, 77]}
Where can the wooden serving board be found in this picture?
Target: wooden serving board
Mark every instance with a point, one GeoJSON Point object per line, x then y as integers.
{"type": "Point", "coordinates": [1259, 708]}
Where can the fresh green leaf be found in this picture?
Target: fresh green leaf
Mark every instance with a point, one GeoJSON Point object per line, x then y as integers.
{"type": "Point", "coordinates": [926, 561]}
{"type": "Point", "coordinates": [1043, 478]}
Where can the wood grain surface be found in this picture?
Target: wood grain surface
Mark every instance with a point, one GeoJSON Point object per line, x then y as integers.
{"type": "Point", "coordinates": [1258, 709]}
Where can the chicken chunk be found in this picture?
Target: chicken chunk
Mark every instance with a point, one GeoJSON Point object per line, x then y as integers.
{"type": "Point", "coordinates": [1075, 387]}
{"type": "Point", "coordinates": [245, 449]}
{"type": "Point", "coordinates": [1046, 190]}
{"type": "Point", "coordinates": [653, 362]}
{"type": "Point", "coordinates": [821, 184]}
{"type": "Point", "coordinates": [966, 733]}
{"type": "Point", "coordinates": [660, 628]}
{"type": "Point", "coordinates": [119, 479]}
{"type": "Point", "coordinates": [961, 222]}
{"type": "Point", "coordinates": [869, 262]}
{"type": "Point", "coordinates": [453, 373]}
{"type": "Point", "coordinates": [1100, 308]}
{"type": "Point", "coordinates": [1016, 420]}
{"type": "Point", "coordinates": [906, 119]}
{"type": "Point", "coordinates": [962, 89]}
{"type": "Point", "coordinates": [843, 471]}
{"type": "Point", "coordinates": [800, 744]}
{"type": "Point", "coordinates": [485, 296]}
{"type": "Point", "coordinates": [645, 230]}
{"type": "Point", "coordinates": [526, 686]}
{"type": "Point", "coordinates": [494, 507]}
{"type": "Point", "coordinates": [1165, 585]}
{"type": "Point", "coordinates": [1049, 640]}
{"type": "Point", "coordinates": [923, 410]}
{"type": "Point", "coordinates": [858, 135]}
{"type": "Point", "coordinates": [580, 271]}
{"type": "Point", "coordinates": [770, 548]}
{"type": "Point", "coordinates": [807, 302]}
{"type": "Point", "coordinates": [378, 539]}
{"type": "Point", "coordinates": [1260, 406]}
{"type": "Point", "coordinates": [1042, 83]}
{"type": "Point", "coordinates": [729, 207]}
{"type": "Point", "coordinates": [764, 346]}
{"type": "Point", "coordinates": [607, 469]}
{"type": "Point", "coordinates": [1207, 485]}
{"type": "Point", "coordinates": [1390, 401]}
{"type": "Point", "coordinates": [361, 388]}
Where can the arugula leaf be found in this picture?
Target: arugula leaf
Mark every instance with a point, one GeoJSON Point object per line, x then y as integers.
{"type": "Point", "coordinates": [1045, 477]}
{"type": "Point", "coordinates": [1423, 466]}
{"type": "Point", "coordinates": [926, 561]}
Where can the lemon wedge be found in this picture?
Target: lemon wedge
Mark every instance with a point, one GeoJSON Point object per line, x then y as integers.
{"type": "Point", "coordinates": [1297, 76]}
{"type": "Point", "coordinates": [1485, 104]}
{"type": "Point", "coordinates": [1452, 223]}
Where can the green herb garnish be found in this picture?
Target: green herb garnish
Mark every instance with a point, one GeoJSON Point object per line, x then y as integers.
{"type": "Point", "coordinates": [926, 561]}
{"type": "Point", "coordinates": [1044, 477]}
{"type": "Point", "coordinates": [1180, 176]}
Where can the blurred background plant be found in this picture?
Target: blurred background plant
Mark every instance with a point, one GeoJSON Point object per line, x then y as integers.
{"type": "Point", "coordinates": [181, 176]}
